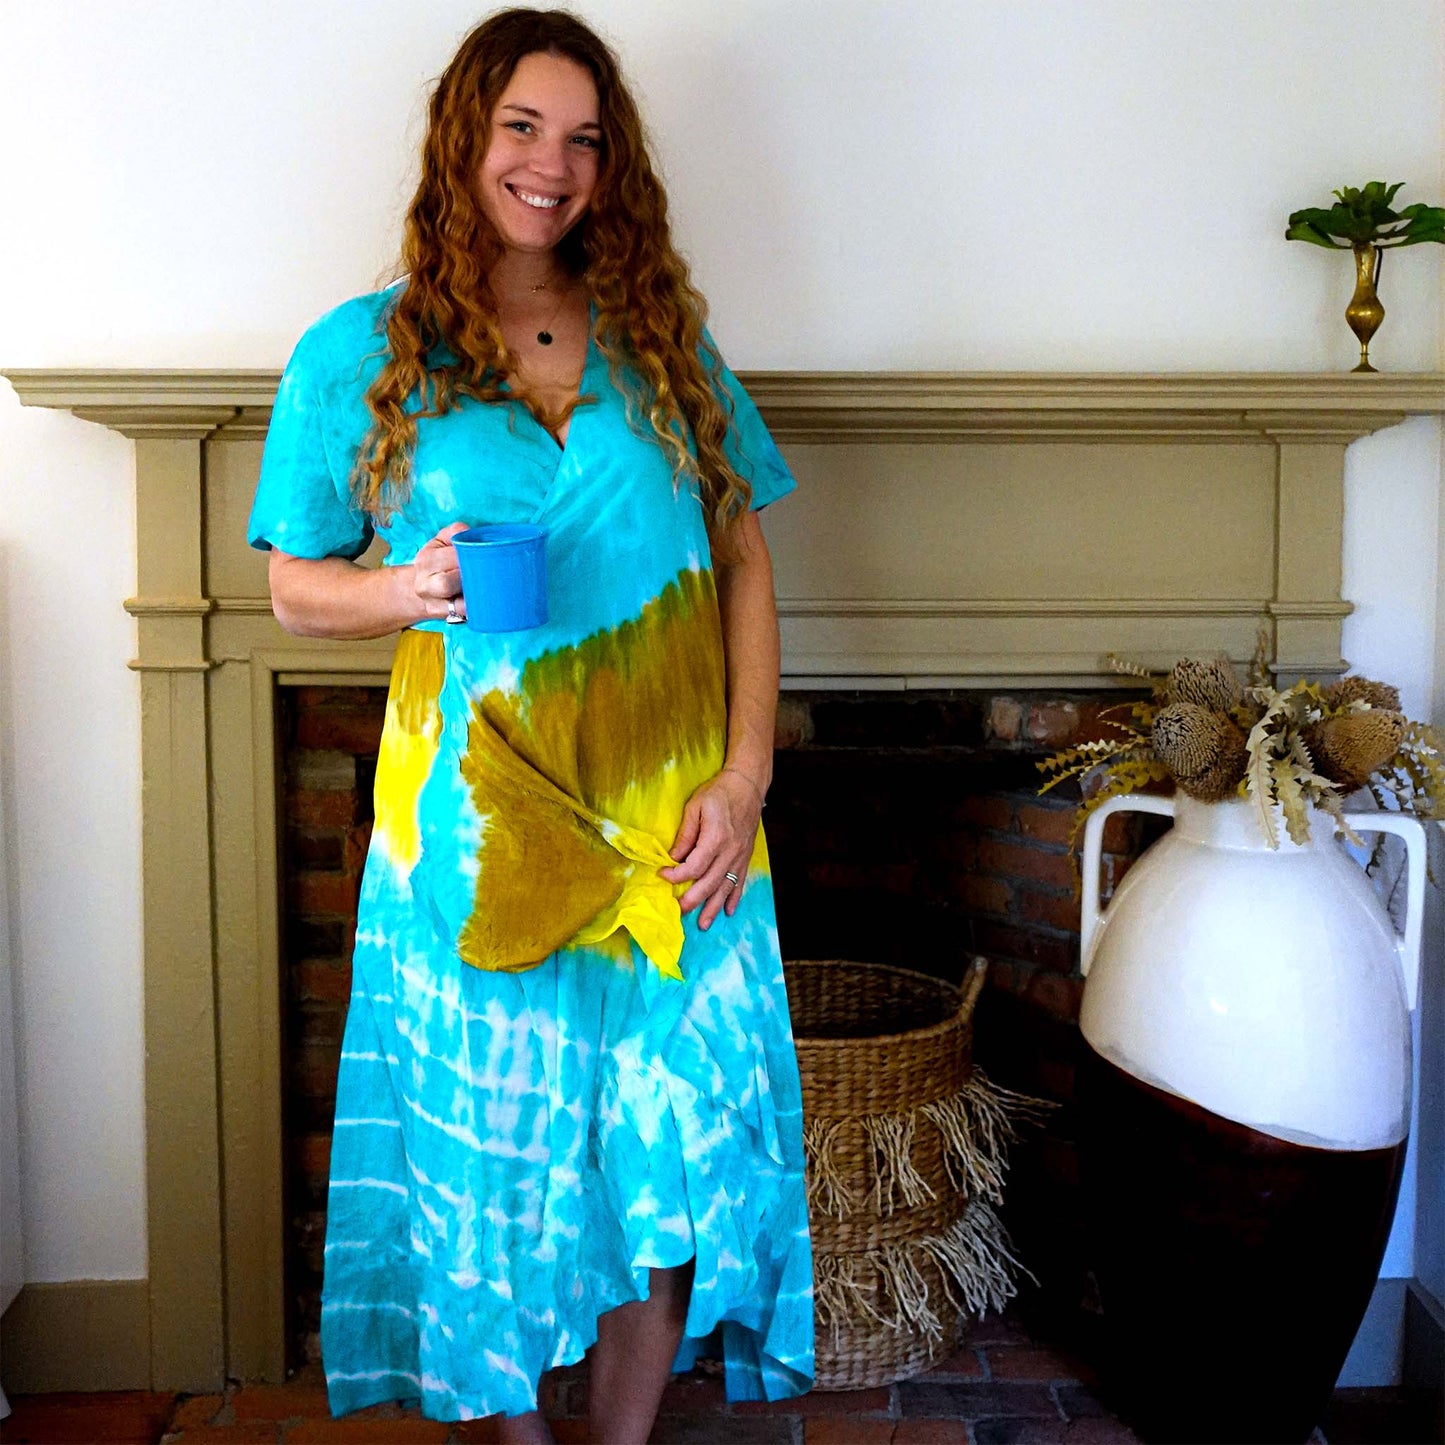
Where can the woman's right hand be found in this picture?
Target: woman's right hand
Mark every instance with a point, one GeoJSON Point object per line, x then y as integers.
{"type": "Point", "coordinates": [435, 577]}
{"type": "Point", "coordinates": [331, 597]}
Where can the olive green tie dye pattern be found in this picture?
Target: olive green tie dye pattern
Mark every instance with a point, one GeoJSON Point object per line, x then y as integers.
{"type": "Point", "coordinates": [580, 772]}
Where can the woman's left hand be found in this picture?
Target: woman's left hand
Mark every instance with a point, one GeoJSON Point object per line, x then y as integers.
{"type": "Point", "coordinates": [719, 828]}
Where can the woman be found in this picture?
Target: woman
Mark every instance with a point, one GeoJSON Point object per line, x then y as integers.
{"type": "Point", "coordinates": [568, 1115]}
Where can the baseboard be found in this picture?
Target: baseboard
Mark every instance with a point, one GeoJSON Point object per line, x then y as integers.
{"type": "Point", "coordinates": [1424, 1340]}
{"type": "Point", "coordinates": [1375, 1356]}
{"type": "Point", "coordinates": [89, 1334]}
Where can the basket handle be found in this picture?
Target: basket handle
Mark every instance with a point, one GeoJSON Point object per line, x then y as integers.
{"type": "Point", "coordinates": [975, 975]}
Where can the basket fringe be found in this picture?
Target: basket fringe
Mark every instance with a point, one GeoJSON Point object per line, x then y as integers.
{"type": "Point", "coordinates": [891, 1136]}
{"type": "Point", "coordinates": [828, 1188]}
{"type": "Point", "coordinates": [977, 1128]}
{"type": "Point", "coordinates": [976, 1124]}
{"type": "Point", "coordinates": [976, 1257]}
{"type": "Point", "coordinates": [841, 1297]}
{"type": "Point", "coordinates": [903, 1279]}
{"type": "Point", "coordinates": [975, 1261]}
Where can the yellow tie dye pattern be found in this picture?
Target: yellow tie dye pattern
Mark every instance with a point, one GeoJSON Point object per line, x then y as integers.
{"type": "Point", "coordinates": [409, 742]}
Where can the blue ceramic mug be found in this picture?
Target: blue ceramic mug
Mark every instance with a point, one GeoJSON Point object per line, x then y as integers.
{"type": "Point", "coordinates": [504, 575]}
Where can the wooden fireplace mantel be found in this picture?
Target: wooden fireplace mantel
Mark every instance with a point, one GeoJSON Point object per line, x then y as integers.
{"type": "Point", "coordinates": [949, 530]}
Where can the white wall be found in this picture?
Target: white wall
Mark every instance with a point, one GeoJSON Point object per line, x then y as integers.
{"type": "Point", "coordinates": [12, 1242]}
{"type": "Point", "coordinates": [70, 775]}
{"type": "Point", "coordinates": [1390, 566]}
{"type": "Point", "coordinates": [1049, 184]}
{"type": "Point", "coordinates": [1430, 1215]}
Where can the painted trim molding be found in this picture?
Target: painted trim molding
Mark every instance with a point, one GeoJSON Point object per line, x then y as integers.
{"type": "Point", "coordinates": [91, 1334]}
{"type": "Point", "coordinates": [836, 404]}
{"type": "Point", "coordinates": [1423, 1367]}
{"type": "Point", "coordinates": [949, 530]}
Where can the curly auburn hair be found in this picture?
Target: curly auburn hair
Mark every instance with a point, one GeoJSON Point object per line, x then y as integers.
{"type": "Point", "coordinates": [649, 316]}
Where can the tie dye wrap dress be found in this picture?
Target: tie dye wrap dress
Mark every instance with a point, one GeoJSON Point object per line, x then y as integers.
{"type": "Point", "coordinates": [551, 1080]}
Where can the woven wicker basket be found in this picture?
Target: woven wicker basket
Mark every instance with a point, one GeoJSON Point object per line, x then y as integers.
{"type": "Point", "coordinates": [905, 1144]}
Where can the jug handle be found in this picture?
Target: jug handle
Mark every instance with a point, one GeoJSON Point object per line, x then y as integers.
{"type": "Point", "coordinates": [1090, 914]}
{"type": "Point", "coordinates": [1407, 946]}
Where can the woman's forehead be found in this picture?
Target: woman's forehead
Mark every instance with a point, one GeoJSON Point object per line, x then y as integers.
{"type": "Point", "coordinates": [549, 86]}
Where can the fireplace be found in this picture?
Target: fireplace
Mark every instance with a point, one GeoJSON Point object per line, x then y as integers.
{"type": "Point", "coordinates": [903, 828]}
{"type": "Point", "coordinates": [963, 548]}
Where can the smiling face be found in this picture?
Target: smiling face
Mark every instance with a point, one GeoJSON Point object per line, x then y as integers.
{"type": "Point", "coordinates": [540, 170]}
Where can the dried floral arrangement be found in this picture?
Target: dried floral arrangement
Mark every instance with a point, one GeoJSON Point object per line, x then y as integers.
{"type": "Point", "coordinates": [1216, 737]}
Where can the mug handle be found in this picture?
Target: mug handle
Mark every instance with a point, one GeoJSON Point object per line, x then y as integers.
{"type": "Point", "coordinates": [1090, 914]}
{"type": "Point", "coordinates": [1407, 945]}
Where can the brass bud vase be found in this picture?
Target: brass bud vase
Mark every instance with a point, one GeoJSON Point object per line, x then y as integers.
{"type": "Point", "coordinates": [1365, 313]}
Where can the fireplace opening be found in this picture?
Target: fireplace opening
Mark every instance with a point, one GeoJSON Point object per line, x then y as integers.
{"type": "Point", "coordinates": [329, 738]}
{"type": "Point", "coordinates": [904, 828]}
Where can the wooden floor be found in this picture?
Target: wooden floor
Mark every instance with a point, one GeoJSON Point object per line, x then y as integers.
{"type": "Point", "coordinates": [1002, 1388]}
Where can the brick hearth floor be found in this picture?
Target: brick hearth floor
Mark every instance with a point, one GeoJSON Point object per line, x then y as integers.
{"type": "Point", "coordinates": [1001, 1388]}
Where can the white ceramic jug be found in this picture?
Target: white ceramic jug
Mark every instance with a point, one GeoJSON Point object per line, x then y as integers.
{"type": "Point", "coordinates": [1266, 985]}
{"type": "Point", "coordinates": [1243, 1106]}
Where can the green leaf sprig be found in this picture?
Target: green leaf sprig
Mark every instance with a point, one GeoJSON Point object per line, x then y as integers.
{"type": "Point", "coordinates": [1365, 217]}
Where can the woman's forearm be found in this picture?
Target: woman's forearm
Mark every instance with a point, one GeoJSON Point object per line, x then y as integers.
{"type": "Point", "coordinates": [750, 645]}
{"type": "Point", "coordinates": [332, 597]}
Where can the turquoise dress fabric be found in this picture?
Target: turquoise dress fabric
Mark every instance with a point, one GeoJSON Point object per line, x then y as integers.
{"type": "Point", "coordinates": [551, 1080]}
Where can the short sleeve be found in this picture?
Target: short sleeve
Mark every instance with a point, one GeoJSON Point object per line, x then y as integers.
{"type": "Point", "coordinates": [751, 448]}
{"type": "Point", "coordinates": [303, 506]}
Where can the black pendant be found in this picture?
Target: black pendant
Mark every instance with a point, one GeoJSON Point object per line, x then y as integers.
{"type": "Point", "coordinates": [544, 338]}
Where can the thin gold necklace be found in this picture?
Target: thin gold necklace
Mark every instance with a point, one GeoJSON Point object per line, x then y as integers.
{"type": "Point", "coordinates": [544, 336]}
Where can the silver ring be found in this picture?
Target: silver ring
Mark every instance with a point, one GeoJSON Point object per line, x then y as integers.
{"type": "Point", "coordinates": [452, 611]}
{"type": "Point", "coordinates": [731, 878]}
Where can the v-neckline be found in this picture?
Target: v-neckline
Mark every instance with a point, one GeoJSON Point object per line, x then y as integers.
{"type": "Point", "coordinates": [561, 443]}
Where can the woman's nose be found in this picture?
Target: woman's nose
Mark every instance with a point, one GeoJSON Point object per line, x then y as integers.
{"type": "Point", "coordinates": [550, 158]}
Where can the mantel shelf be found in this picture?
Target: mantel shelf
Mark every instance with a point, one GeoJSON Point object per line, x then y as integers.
{"type": "Point", "coordinates": [820, 406]}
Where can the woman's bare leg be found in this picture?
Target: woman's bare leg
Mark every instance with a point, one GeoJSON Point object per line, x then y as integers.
{"type": "Point", "coordinates": [628, 1367]}
{"type": "Point", "coordinates": [528, 1429]}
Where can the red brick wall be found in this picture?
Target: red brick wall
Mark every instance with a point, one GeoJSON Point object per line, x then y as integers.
{"type": "Point", "coordinates": [912, 828]}
{"type": "Point", "coordinates": [904, 828]}
{"type": "Point", "coordinates": [329, 738]}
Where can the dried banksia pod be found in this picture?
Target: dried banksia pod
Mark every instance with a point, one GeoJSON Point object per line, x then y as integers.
{"type": "Point", "coordinates": [1202, 747]}
{"type": "Point", "coordinates": [1348, 748]}
{"type": "Point", "coordinates": [1209, 682]}
{"type": "Point", "coordinates": [1360, 689]}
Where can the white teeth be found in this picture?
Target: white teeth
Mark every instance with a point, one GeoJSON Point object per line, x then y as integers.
{"type": "Point", "coordinates": [542, 203]}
